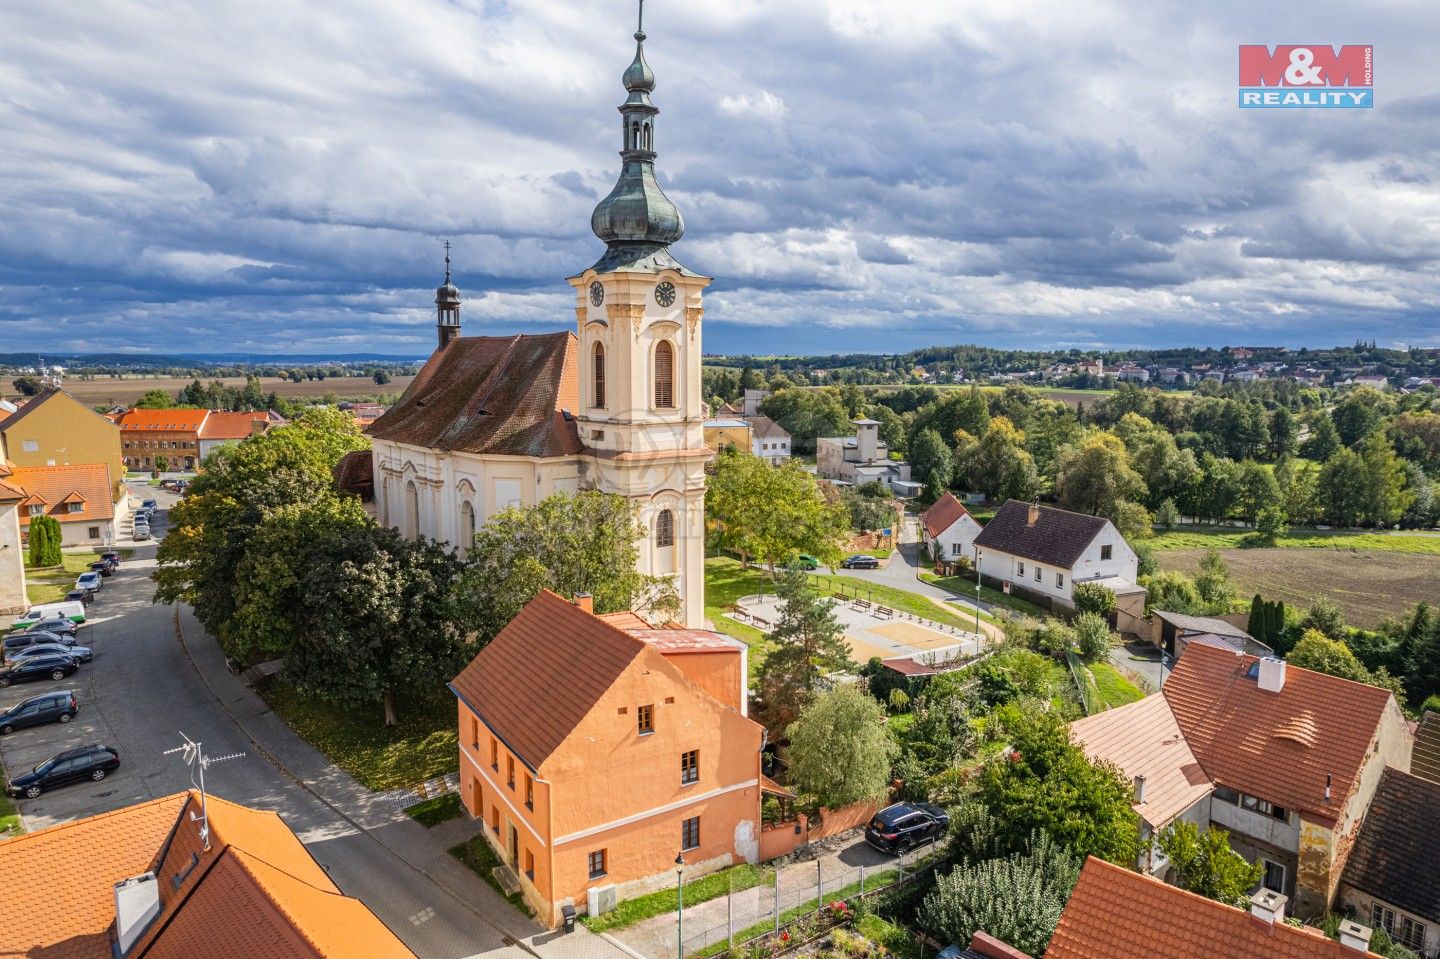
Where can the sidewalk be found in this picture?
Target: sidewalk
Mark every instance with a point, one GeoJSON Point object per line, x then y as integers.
{"type": "Point", "coordinates": [380, 815]}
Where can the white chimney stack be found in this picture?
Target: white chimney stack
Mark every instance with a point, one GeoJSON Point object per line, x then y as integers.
{"type": "Point", "coordinates": [1272, 674]}
{"type": "Point", "coordinates": [1269, 906]}
{"type": "Point", "coordinates": [1139, 789]}
{"type": "Point", "coordinates": [137, 903]}
{"type": "Point", "coordinates": [1355, 936]}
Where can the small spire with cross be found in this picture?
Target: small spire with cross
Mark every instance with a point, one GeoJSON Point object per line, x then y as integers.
{"type": "Point", "coordinates": [447, 261]}
{"type": "Point", "coordinates": [640, 30]}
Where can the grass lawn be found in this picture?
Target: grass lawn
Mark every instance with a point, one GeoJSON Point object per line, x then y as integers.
{"type": "Point", "coordinates": [912, 603]}
{"type": "Point", "coordinates": [725, 582]}
{"type": "Point", "coordinates": [1225, 537]}
{"type": "Point", "coordinates": [713, 886]}
{"type": "Point", "coordinates": [1113, 688]}
{"type": "Point", "coordinates": [423, 746]}
{"type": "Point", "coordinates": [10, 824]}
{"type": "Point", "coordinates": [896, 941]}
{"type": "Point", "coordinates": [49, 585]}
{"type": "Point", "coordinates": [435, 810]}
{"type": "Point", "coordinates": [965, 586]}
{"type": "Point", "coordinates": [480, 859]}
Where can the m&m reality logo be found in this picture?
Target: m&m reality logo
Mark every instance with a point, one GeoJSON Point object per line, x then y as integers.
{"type": "Point", "coordinates": [1315, 76]}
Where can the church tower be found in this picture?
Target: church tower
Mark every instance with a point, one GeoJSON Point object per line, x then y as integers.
{"type": "Point", "coordinates": [638, 315]}
{"type": "Point", "coordinates": [447, 306]}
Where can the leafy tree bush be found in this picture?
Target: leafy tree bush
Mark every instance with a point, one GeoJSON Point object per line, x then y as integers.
{"type": "Point", "coordinates": [1093, 598]}
{"type": "Point", "coordinates": [1325, 616]}
{"type": "Point", "coordinates": [1317, 651]}
{"type": "Point", "coordinates": [809, 643]}
{"type": "Point", "coordinates": [1167, 515]}
{"type": "Point", "coordinates": [1267, 621]}
{"type": "Point", "coordinates": [770, 513]}
{"type": "Point", "coordinates": [1092, 636]}
{"type": "Point", "coordinates": [45, 537]}
{"type": "Point", "coordinates": [931, 458]}
{"type": "Point", "coordinates": [1205, 864]}
{"type": "Point", "coordinates": [1271, 524]}
{"type": "Point", "coordinates": [1017, 899]}
{"type": "Point", "coordinates": [840, 750]}
{"type": "Point", "coordinates": [1213, 583]}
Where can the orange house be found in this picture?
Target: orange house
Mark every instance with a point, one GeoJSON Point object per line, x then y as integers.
{"type": "Point", "coordinates": [596, 749]}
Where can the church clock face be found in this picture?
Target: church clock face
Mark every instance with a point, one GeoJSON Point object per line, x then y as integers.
{"type": "Point", "coordinates": [597, 293]}
{"type": "Point", "coordinates": [665, 293]}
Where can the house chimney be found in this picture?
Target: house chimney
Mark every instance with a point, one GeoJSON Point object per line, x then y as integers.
{"type": "Point", "coordinates": [1329, 781]}
{"type": "Point", "coordinates": [1139, 789]}
{"type": "Point", "coordinates": [1268, 906]}
{"type": "Point", "coordinates": [1355, 936]}
{"type": "Point", "coordinates": [1033, 516]}
{"type": "Point", "coordinates": [137, 903]}
{"type": "Point", "coordinates": [1272, 674]}
{"type": "Point", "coordinates": [585, 601]}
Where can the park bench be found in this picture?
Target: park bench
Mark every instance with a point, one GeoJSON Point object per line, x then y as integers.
{"type": "Point", "coordinates": [885, 612]}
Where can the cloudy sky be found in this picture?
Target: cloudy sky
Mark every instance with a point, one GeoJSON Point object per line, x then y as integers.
{"type": "Point", "coordinates": [869, 175]}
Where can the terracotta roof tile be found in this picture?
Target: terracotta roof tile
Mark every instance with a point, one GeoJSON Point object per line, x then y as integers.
{"type": "Point", "coordinates": [504, 395]}
{"type": "Point", "coordinates": [943, 515]}
{"type": "Point", "coordinates": [1115, 913]}
{"type": "Point", "coordinates": [162, 421]}
{"type": "Point", "coordinates": [543, 674]}
{"type": "Point", "coordinates": [1281, 745]}
{"type": "Point", "coordinates": [1397, 855]}
{"type": "Point", "coordinates": [231, 426]}
{"type": "Point", "coordinates": [685, 640]}
{"type": "Point", "coordinates": [626, 620]}
{"type": "Point", "coordinates": [1058, 538]}
{"type": "Point", "coordinates": [1143, 739]}
{"type": "Point", "coordinates": [56, 486]}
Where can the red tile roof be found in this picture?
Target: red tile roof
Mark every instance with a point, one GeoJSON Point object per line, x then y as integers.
{"type": "Point", "coordinates": [56, 486]}
{"type": "Point", "coordinates": [943, 515]}
{"type": "Point", "coordinates": [172, 421]}
{"type": "Point", "coordinates": [504, 395]}
{"type": "Point", "coordinates": [1143, 739]}
{"type": "Point", "coordinates": [1279, 746]}
{"type": "Point", "coordinates": [231, 426]}
{"type": "Point", "coordinates": [535, 682]}
{"type": "Point", "coordinates": [1115, 913]}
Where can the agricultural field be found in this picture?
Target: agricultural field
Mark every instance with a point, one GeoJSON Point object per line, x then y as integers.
{"type": "Point", "coordinates": [1368, 584]}
{"type": "Point", "coordinates": [123, 392]}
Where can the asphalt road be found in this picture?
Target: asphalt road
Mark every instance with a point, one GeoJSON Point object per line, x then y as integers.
{"type": "Point", "coordinates": [142, 691]}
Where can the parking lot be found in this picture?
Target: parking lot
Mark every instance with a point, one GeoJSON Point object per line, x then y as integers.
{"type": "Point", "coordinates": [110, 690]}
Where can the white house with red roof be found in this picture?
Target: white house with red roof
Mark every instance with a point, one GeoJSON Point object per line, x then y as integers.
{"type": "Point", "coordinates": [949, 530]}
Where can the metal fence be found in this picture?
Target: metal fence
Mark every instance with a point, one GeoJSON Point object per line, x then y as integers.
{"type": "Point", "coordinates": [793, 891]}
{"type": "Point", "coordinates": [1082, 683]}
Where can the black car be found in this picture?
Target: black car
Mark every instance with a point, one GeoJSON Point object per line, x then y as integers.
{"type": "Point", "coordinates": [59, 625]}
{"type": "Point", "coordinates": [81, 654]}
{"type": "Point", "coordinates": [35, 637]}
{"type": "Point", "coordinates": [900, 828]}
{"type": "Point", "coordinates": [91, 763]}
{"type": "Point", "coordinates": [85, 596]}
{"type": "Point", "coordinates": [50, 666]}
{"type": "Point", "coordinates": [104, 567]}
{"type": "Point", "coordinates": [113, 556]}
{"type": "Point", "coordinates": [59, 707]}
{"type": "Point", "coordinates": [860, 561]}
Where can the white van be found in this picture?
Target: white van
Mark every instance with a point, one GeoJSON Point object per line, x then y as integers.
{"type": "Point", "coordinates": [73, 611]}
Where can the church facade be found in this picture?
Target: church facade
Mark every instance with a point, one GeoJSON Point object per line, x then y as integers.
{"type": "Point", "coordinates": [498, 421]}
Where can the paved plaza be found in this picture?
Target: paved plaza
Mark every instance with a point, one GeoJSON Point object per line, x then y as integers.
{"type": "Point", "coordinates": [872, 630]}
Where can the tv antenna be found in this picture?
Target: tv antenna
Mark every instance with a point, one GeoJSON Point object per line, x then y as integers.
{"type": "Point", "coordinates": [194, 756]}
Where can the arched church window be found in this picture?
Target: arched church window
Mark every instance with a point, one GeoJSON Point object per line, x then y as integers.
{"type": "Point", "coordinates": [599, 376]}
{"type": "Point", "coordinates": [634, 136]}
{"type": "Point", "coordinates": [412, 510]}
{"type": "Point", "coordinates": [665, 529]}
{"type": "Point", "coordinates": [648, 141]}
{"type": "Point", "coordinates": [664, 375]}
{"type": "Point", "coordinates": [467, 525]}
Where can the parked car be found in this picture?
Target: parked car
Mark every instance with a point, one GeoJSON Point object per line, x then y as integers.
{"type": "Point", "coordinates": [141, 533]}
{"type": "Point", "coordinates": [171, 485]}
{"type": "Point", "coordinates": [103, 568]}
{"type": "Point", "coordinates": [74, 612]}
{"type": "Point", "coordinates": [36, 637]}
{"type": "Point", "coordinates": [50, 666]}
{"type": "Point", "coordinates": [57, 626]}
{"type": "Point", "coordinates": [91, 763]}
{"type": "Point", "coordinates": [860, 561]}
{"type": "Point", "coordinates": [80, 596]}
{"type": "Point", "coordinates": [149, 504]}
{"type": "Point", "coordinates": [82, 654]}
{"type": "Point", "coordinates": [900, 828]}
{"type": "Point", "coordinates": [59, 707]}
{"type": "Point", "coordinates": [90, 581]}
{"type": "Point", "coordinates": [113, 556]}
{"type": "Point", "coordinates": [805, 561]}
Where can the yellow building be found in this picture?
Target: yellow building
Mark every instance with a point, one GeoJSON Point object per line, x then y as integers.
{"type": "Point", "coordinates": [53, 429]}
{"type": "Point", "coordinates": [722, 433]}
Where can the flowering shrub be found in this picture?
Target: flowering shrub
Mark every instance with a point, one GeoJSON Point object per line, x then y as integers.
{"type": "Point", "coordinates": [839, 911]}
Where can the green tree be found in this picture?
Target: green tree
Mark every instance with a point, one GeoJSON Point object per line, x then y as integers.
{"type": "Point", "coordinates": [1093, 636]}
{"type": "Point", "coordinates": [1324, 440]}
{"type": "Point", "coordinates": [376, 621]}
{"type": "Point", "coordinates": [1386, 495]}
{"type": "Point", "coordinates": [1283, 433]}
{"type": "Point", "coordinates": [1322, 654]}
{"type": "Point", "coordinates": [45, 537]}
{"type": "Point", "coordinates": [1132, 520]}
{"type": "Point", "coordinates": [840, 750]}
{"type": "Point", "coordinates": [1213, 583]}
{"type": "Point", "coordinates": [931, 457]}
{"type": "Point", "coordinates": [1326, 617]}
{"type": "Point", "coordinates": [1259, 490]}
{"type": "Point", "coordinates": [1045, 782]}
{"type": "Point", "coordinates": [1173, 592]}
{"type": "Point", "coordinates": [1205, 864]}
{"type": "Point", "coordinates": [809, 643]}
{"type": "Point", "coordinates": [807, 415]}
{"type": "Point", "coordinates": [1270, 524]}
{"type": "Point", "coordinates": [1342, 488]}
{"type": "Point", "coordinates": [1093, 598]}
{"type": "Point", "coordinates": [1167, 515]}
{"type": "Point", "coordinates": [568, 543]}
{"type": "Point", "coordinates": [1096, 476]}
{"type": "Point", "coordinates": [155, 400]}
{"type": "Point", "coordinates": [998, 465]}
{"type": "Point", "coordinates": [381, 377]}
{"type": "Point", "coordinates": [770, 513]}
{"type": "Point", "coordinates": [1017, 898]}
{"type": "Point", "coordinates": [162, 463]}
{"type": "Point", "coordinates": [954, 411]}
{"type": "Point", "coordinates": [27, 385]}
{"type": "Point", "coordinates": [1360, 413]}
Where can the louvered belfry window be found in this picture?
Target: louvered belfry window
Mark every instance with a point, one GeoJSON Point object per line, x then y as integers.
{"type": "Point", "coordinates": [664, 376]}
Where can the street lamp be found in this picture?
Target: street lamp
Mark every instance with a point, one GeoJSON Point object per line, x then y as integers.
{"type": "Point", "coordinates": [680, 912]}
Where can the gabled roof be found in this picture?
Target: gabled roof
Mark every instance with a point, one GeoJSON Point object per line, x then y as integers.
{"type": "Point", "coordinates": [544, 672]}
{"type": "Point", "coordinates": [501, 395]}
{"type": "Point", "coordinates": [1058, 537]}
{"type": "Point", "coordinates": [31, 405]}
{"type": "Point", "coordinates": [162, 421]}
{"type": "Point", "coordinates": [1397, 854]}
{"type": "Point", "coordinates": [55, 487]}
{"type": "Point", "coordinates": [1425, 760]}
{"type": "Point", "coordinates": [257, 892]}
{"type": "Point", "coordinates": [946, 512]}
{"type": "Point", "coordinates": [1201, 624]}
{"type": "Point", "coordinates": [1143, 739]}
{"type": "Point", "coordinates": [1279, 746]}
{"type": "Point", "coordinates": [1114, 913]}
{"type": "Point", "coordinates": [768, 429]}
{"type": "Point", "coordinates": [231, 426]}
